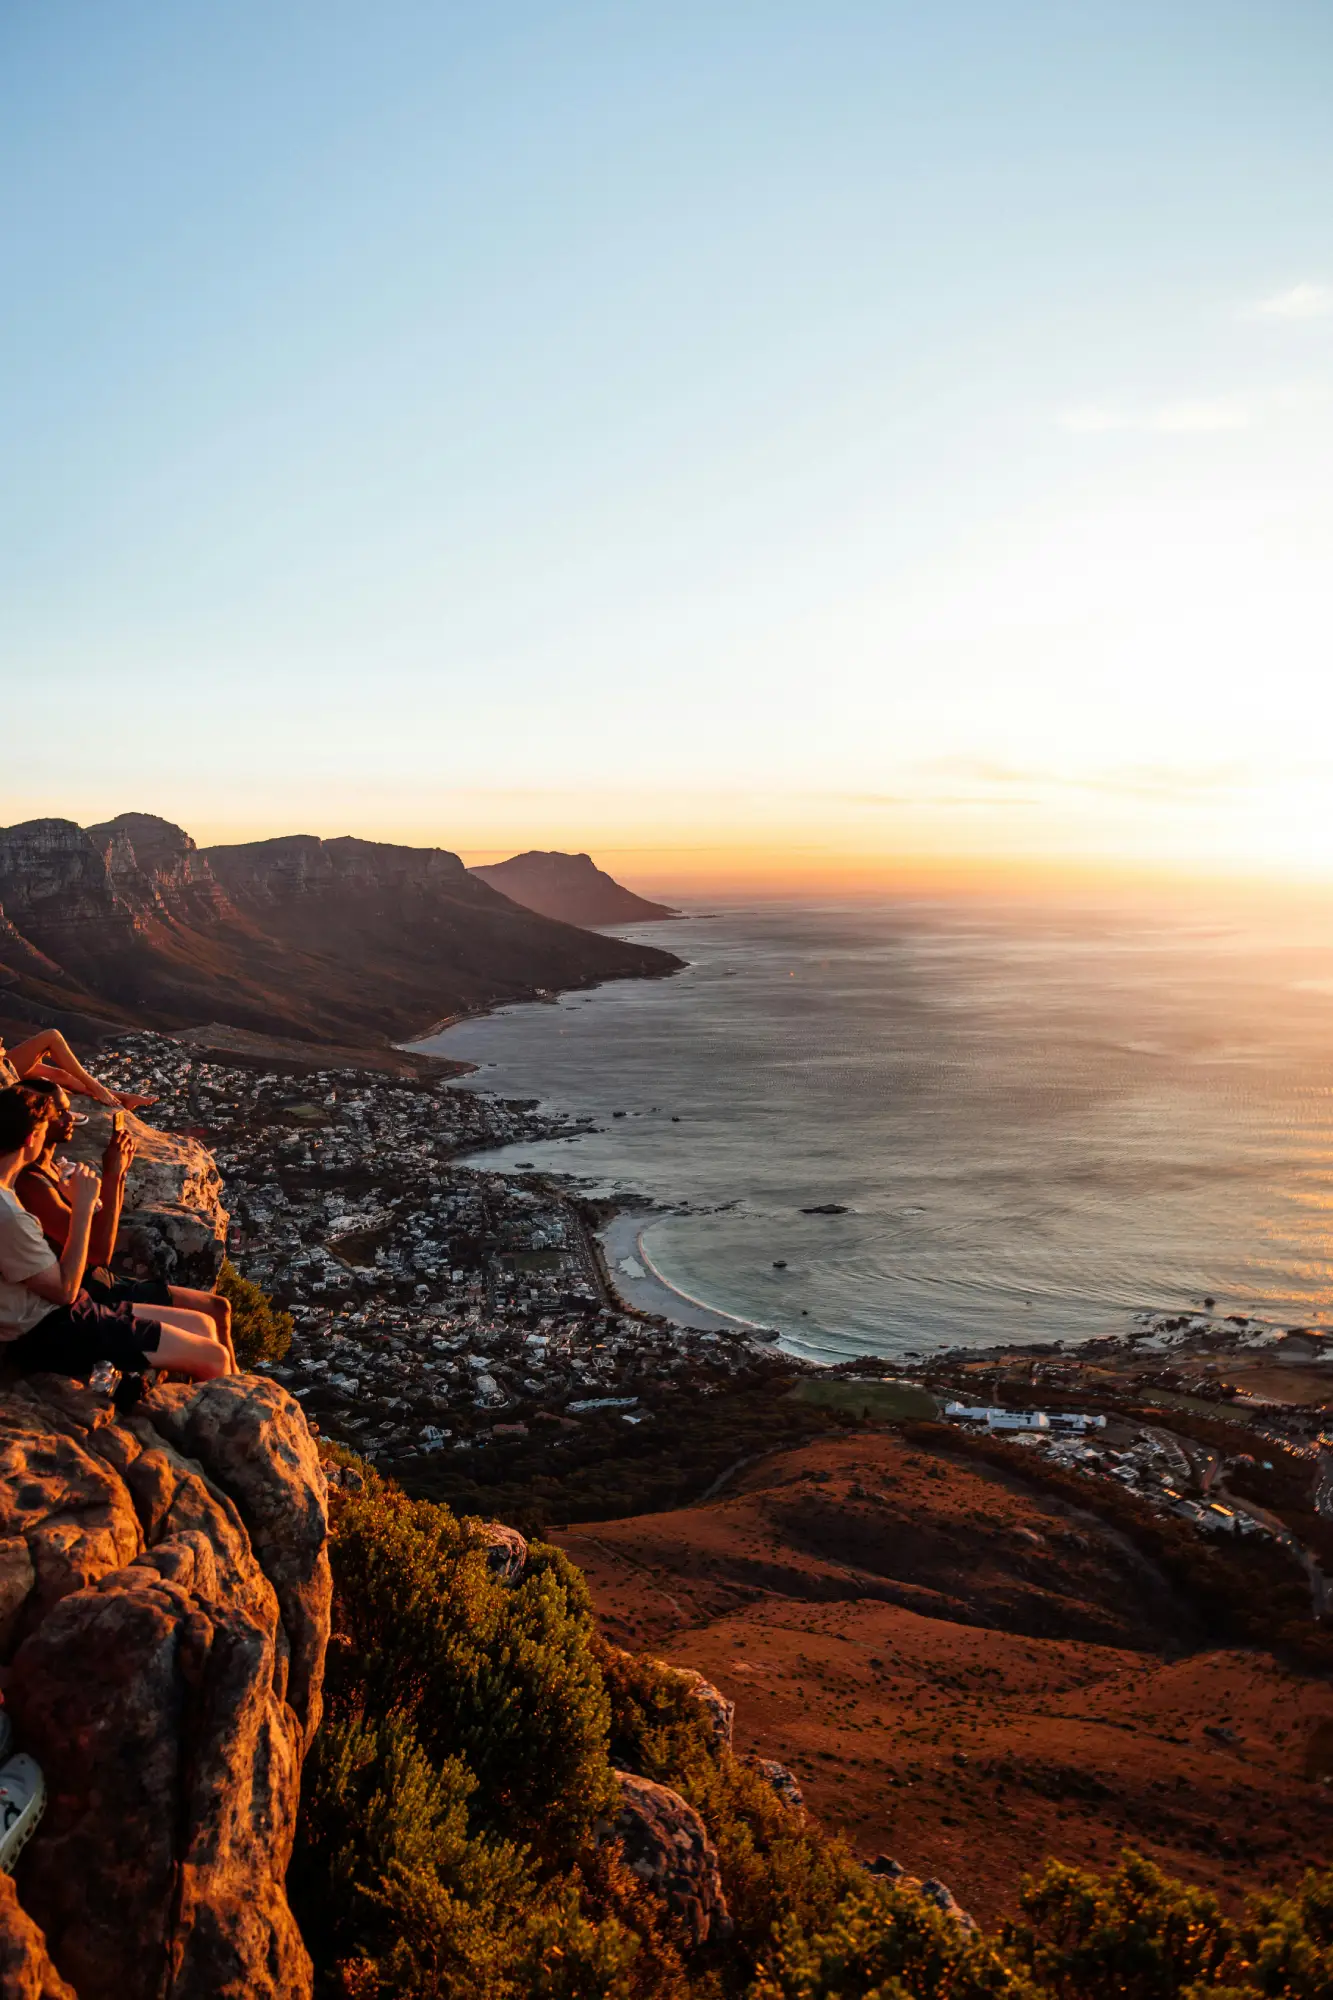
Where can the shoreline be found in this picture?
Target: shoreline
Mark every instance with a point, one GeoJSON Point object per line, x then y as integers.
{"type": "Point", "coordinates": [646, 1290]}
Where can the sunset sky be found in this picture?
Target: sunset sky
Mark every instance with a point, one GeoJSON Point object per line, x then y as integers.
{"type": "Point", "coordinates": [751, 441]}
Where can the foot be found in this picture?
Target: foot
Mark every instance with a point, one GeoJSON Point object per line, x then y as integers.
{"type": "Point", "coordinates": [127, 1101]}
{"type": "Point", "coordinates": [22, 1803]}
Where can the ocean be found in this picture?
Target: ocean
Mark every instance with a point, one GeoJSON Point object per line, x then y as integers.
{"type": "Point", "coordinates": [1036, 1120]}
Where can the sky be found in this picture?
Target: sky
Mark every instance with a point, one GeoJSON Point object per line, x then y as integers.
{"type": "Point", "coordinates": [753, 442]}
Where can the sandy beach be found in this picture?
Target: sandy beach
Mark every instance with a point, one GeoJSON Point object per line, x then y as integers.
{"type": "Point", "coordinates": [641, 1285]}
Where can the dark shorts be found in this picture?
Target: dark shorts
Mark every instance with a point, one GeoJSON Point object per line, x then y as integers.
{"type": "Point", "coordinates": [105, 1290]}
{"type": "Point", "coordinates": [73, 1339]}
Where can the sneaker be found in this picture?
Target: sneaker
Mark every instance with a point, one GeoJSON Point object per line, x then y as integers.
{"type": "Point", "coordinates": [22, 1803]}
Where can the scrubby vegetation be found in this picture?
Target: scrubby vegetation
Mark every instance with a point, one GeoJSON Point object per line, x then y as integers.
{"type": "Point", "coordinates": [453, 1840]}
{"type": "Point", "coordinates": [1133, 1935]}
{"type": "Point", "coordinates": [261, 1331]}
{"type": "Point", "coordinates": [606, 1469]}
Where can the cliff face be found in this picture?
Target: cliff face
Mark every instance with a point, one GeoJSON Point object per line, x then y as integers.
{"type": "Point", "coordinates": [164, 1613]}
{"type": "Point", "coordinates": [156, 869]}
{"type": "Point", "coordinates": [570, 887]}
{"type": "Point", "coordinates": [56, 889]}
{"type": "Point", "coordinates": [335, 941]}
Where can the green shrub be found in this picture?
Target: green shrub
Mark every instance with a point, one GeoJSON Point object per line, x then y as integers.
{"type": "Point", "coordinates": [776, 1864]}
{"type": "Point", "coordinates": [262, 1334]}
{"type": "Point", "coordinates": [1140, 1935]}
{"type": "Point", "coordinates": [503, 1676]}
{"type": "Point", "coordinates": [886, 1943]}
{"type": "Point", "coordinates": [1134, 1935]}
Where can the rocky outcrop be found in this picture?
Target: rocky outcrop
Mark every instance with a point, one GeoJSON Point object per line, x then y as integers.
{"type": "Point", "coordinates": [667, 1846]}
{"type": "Point", "coordinates": [156, 869]}
{"type": "Point", "coordinates": [506, 1551]}
{"type": "Point", "coordinates": [164, 1610]}
{"type": "Point", "coordinates": [570, 887]}
{"type": "Point", "coordinates": [336, 941]}
{"type": "Point", "coordinates": [782, 1781]}
{"type": "Point", "coordinates": [718, 1707]}
{"type": "Point", "coordinates": [173, 1225]}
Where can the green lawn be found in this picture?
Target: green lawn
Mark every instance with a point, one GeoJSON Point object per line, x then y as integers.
{"type": "Point", "coordinates": [888, 1400]}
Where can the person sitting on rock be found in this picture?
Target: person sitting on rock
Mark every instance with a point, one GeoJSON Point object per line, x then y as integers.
{"type": "Point", "coordinates": [41, 1190]}
{"type": "Point", "coordinates": [50, 1055]}
{"type": "Point", "coordinates": [47, 1320]}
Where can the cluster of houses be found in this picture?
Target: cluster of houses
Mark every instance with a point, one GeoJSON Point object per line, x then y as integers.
{"type": "Point", "coordinates": [435, 1306]}
{"type": "Point", "coordinates": [1146, 1462]}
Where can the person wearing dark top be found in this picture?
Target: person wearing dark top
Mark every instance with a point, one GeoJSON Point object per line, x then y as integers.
{"type": "Point", "coordinates": [40, 1189]}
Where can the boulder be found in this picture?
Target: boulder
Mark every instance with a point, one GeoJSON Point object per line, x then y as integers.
{"type": "Point", "coordinates": [782, 1781]}
{"type": "Point", "coordinates": [943, 1897]}
{"type": "Point", "coordinates": [173, 1224]}
{"type": "Point", "coordinates": [167, 1637]}
{"type": "Point", "coordinates": [506, 1551]}
{"type": "Point", "coordinates": [718, 1707]}
{"type": "Point", "coordinates": [667, 1846]}
{"type": "Point", "coordinates": [251, 1438]}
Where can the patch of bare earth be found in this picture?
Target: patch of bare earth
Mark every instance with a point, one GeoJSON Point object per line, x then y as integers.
{"type": "Point", "coordinates": [968, 1676]}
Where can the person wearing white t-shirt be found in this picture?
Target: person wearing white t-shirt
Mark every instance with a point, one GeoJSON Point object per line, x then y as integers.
{"type": "Point", "coordinates": [47, 1320]}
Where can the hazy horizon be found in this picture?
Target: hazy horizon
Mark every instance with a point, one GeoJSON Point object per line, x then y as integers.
{"type": "Point", "coordinates": [750, 444]}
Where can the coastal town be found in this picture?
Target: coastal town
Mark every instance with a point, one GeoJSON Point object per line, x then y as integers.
{"type": "Point", "coordinates": [441, 1308]}
{"type": "Point", "coordinates": [435, 1307]}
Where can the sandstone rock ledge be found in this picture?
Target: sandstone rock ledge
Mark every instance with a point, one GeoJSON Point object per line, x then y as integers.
{"type": "Point", "coordinates": [173, 1224]}
{"type": "Point", "coordinates": [164, 1611]}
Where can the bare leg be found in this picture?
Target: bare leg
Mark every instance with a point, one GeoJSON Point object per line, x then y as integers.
{"type": "Point", "coordinates": [50, 1054]}
{"type": "Point", "coordinates": [186, 1344]}
{"type": "Point", "coordinates": [218, 1310]}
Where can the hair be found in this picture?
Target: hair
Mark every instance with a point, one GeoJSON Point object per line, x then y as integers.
{"type": "Point", "coordinates": [45, 1087]}
{"type": "Point", "coordinates": [22, 1110]}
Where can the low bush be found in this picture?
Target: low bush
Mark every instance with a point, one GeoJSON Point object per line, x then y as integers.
{"type": "Point", "coordinates": [262, 1333]}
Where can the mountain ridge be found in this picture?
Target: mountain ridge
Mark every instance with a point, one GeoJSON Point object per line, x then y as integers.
{"type": "Point", "coordinates": [345, 940]}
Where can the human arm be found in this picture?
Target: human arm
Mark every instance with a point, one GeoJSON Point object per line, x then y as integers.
{"type": "Point", "coordinates": [60, 1283]}
{"type": "Point", "coordinates": [116, 1163]}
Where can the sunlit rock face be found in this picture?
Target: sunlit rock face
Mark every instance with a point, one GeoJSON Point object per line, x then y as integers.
{"type": "Point", "coordinates": [173, 1224]}
{"type": "Point", "coordinates": [164, 1613]}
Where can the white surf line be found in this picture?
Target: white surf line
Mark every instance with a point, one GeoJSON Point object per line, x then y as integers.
{"type": "Point", "coordinates": [703, 1305]}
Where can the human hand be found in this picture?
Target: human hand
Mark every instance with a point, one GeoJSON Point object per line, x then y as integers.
{"type": "Point", "coordinates": [118, 1157]}
{"type": "Point", "coordinates": [82, 1186]}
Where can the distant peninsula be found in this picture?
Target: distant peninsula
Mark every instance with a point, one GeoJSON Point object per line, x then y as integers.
{"type": "Point", "coordinates": [571, 888]}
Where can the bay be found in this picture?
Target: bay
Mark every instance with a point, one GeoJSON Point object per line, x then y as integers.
{"type": "Point", "coordinates": [1039, 1119]}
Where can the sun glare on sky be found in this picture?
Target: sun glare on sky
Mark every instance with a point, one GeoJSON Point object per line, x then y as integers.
{"type": "Point", "coordinates": [759, 443]}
